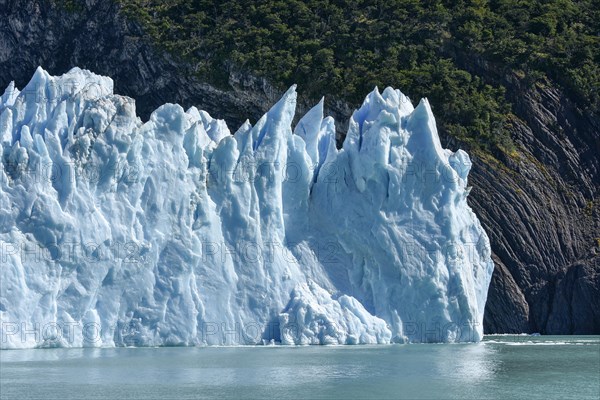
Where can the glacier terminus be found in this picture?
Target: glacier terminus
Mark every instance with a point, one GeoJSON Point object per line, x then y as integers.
{"type": "Point", "coordinates": [176, 232]}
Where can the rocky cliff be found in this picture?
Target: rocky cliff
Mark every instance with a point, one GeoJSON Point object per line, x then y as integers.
{"type": "Point", "coordinates": [539, 204]}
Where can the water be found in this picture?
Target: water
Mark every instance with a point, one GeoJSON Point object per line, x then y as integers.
{"type": "Point", "coordinates": [501, 367]}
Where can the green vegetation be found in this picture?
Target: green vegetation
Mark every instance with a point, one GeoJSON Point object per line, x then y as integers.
{"type": "Point", "coordinates": [589, 208]}
{"type": "Point", "coordinates": [346, 47]}
{"type": "Point", "coordinates": [69, 5]}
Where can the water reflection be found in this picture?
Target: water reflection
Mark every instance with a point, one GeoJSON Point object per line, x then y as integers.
{"type": "Point", "coordinates": [470, 363]}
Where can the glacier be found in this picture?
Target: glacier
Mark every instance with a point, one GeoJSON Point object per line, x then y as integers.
{"type": "Point", "coordinates": [176, 232]}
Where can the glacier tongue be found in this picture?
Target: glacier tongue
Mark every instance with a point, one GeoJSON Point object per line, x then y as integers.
{"type": "Point", "coordinates": [116, 232]}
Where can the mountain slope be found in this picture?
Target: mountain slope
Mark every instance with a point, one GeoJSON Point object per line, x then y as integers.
{"type": "Point", "coordinates": [536, 194]}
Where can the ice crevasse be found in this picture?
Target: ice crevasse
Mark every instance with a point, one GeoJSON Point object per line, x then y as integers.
{"type": "Point", "coordinates": [118, 232]}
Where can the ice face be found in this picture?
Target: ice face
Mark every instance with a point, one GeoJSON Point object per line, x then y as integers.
{"type": "Point", "coordinates": [116, 232]}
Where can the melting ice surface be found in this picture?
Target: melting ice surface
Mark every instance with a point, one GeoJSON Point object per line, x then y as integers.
{"type": "Point", "coordinates": [116, 232]}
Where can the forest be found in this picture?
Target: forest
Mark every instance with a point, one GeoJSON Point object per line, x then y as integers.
{"type": "Point", "coordinates": [424, 48]}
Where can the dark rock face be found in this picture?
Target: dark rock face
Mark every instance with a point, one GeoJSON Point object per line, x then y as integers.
{"type": "Point", "coordinates": [539, 206]}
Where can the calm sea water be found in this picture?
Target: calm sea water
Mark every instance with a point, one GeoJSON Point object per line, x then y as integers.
{"type": "Point", "coordinates": [501, 367]}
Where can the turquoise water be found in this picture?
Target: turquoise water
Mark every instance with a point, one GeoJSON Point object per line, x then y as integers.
{"type": "Point", "coordinates": [501, 367]}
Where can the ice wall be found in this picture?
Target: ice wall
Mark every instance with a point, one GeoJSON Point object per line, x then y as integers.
{"type": "Point", "coordinates": [115, 232]}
